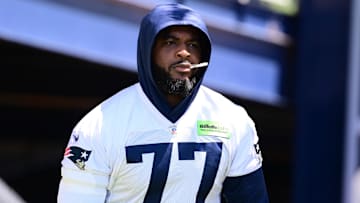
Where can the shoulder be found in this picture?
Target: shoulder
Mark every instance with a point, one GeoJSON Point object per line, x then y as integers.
{"type": "Point", "coordinates": [121, 98]}
{"type": "Point", "coordinates": [100, 128]}
{"type": "Point", "coordinates": [218, 102]}
{"type": "Point", "coordinates": [217, 106]}
{"type": "Point", "coordinates": [120, 101]}
{"type": "Point", "coordinates": [102, 117]}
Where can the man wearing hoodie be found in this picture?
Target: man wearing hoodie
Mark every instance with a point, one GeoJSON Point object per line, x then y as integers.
{"type": "Point", "coordinates": [167, 138]}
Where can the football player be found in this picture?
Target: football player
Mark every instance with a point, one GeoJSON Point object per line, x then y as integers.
{"type": "Point", "coordinates": [167, 138]}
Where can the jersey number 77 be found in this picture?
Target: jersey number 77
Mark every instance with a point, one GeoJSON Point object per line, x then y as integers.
{"type": "Point", "coordinates": [161, 163]}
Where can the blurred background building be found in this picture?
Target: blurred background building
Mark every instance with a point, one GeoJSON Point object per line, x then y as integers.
{"type": "Point", "coordinates": [293, 64]}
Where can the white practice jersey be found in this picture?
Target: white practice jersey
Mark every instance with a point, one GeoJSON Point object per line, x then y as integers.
{"type": "Point", "coordinates": [126, 151]}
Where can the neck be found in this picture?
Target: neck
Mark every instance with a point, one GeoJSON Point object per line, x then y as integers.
{"type": "Point", "coordinates": [174, 100]}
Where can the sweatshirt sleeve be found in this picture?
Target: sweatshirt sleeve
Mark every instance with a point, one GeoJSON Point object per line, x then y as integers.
{"type": "Point", "coordinates": [250, 188]}
{"type": "Point", "coordinates": [84, 167]}
{"type": "Point", "coordinates": [245, 149]}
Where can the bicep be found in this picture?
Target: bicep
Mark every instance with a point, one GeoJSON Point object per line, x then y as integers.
{"type": "Point", "coordinates": [85, 170]}
{"type": "Point", "coordinates": [250, 188]}
{"type": "Point", "coordinates": [81, 186]}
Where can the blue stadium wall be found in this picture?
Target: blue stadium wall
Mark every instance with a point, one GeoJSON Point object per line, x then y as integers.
{"type": "Point", "coordinates": [60, 58]}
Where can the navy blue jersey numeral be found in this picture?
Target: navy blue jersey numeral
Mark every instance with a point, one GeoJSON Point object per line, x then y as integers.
{"type": "Point", "coordinates": [213, 155]}
{"type": "Point", "coordinates": [160, 168]}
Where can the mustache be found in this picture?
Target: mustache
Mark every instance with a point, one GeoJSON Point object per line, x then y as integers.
{"type": "Point", "coordinates": [186, 62]}
{"type": "Point", "coordinates": [182, 62]}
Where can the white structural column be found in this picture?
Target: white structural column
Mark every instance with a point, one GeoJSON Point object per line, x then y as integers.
{"type": "Point", "coordinates": [351, 188]}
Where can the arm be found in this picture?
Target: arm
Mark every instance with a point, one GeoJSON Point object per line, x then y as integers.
{"type": "Point", "coordinates": [81, 186]}
{"type": "Point", "coordinates": [249, 188]}
{"type": "Point", "coordinates": [85, 172]}
{"type": "Point", "coordinates": [245, 181]}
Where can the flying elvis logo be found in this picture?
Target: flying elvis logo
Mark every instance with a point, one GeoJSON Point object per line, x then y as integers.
{"type": "Point", "coordinates": [78, 156]}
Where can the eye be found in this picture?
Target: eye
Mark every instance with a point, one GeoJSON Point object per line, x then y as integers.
{"type": "Point", "coordinates": [169, 42]}
{"type": "Point", "coordinates": [194, 44]}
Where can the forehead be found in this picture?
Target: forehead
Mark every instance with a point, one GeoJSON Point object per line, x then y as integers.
{"type": "Point", "coordinates": [173, 31]}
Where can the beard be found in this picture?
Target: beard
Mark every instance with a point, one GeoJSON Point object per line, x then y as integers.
{"type": "Point", "coordinates": [171, 86]}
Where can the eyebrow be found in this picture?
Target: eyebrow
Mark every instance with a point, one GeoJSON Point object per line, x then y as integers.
{"type": "Point", "coordinates": [168, 34]}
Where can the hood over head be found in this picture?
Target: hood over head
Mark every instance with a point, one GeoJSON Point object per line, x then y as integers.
{"type": "Point", "coordinates": [161, 17]}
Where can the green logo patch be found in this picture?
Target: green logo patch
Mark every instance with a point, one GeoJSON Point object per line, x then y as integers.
{"type": "Point", "coordinates": [212, 128]}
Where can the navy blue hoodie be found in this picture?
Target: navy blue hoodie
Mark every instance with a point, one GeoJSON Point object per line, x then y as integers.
{"type": "Point", "coordinates": [158, 19]}
{"type": "Point", "coordinates": [249, 188]}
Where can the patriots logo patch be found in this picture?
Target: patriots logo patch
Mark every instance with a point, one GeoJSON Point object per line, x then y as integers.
{"type": "Point", "coordinates": [78, 156]}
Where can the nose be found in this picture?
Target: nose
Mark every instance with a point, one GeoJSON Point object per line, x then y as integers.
{"type": "Point", "coordinates": [183, 53]}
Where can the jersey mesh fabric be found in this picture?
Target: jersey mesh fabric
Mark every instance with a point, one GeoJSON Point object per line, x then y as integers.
{"type": "Point", "coordinates": [135, 149]}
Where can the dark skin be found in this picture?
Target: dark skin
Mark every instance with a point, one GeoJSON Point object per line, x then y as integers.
{"type": "Point", "coordinates": [175, 49]}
